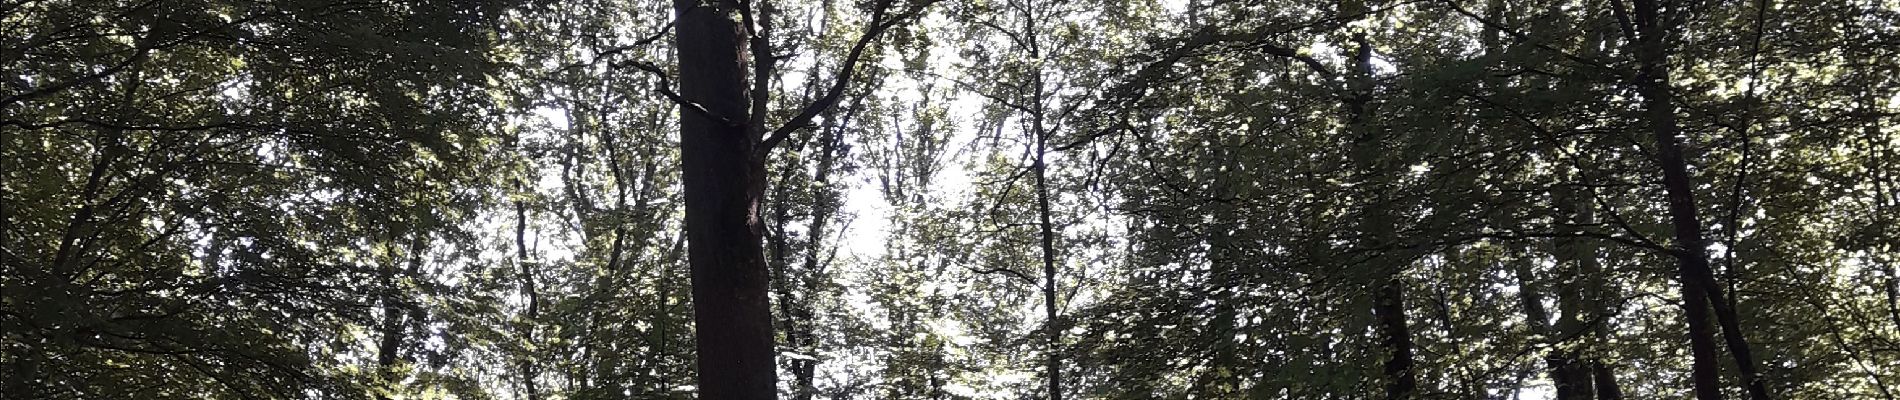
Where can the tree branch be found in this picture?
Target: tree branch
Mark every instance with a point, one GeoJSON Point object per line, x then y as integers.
{"type": "Point", "coordinates": [1006, 271]}
{"type": "Point", "coordinates": [879, 24]}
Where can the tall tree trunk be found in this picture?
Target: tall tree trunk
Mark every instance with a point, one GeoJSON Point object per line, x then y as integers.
{"type": "Point", "coordinates": [823, 204]}
{"type": "Point", "coordinates": [1588, 308]}
{"type": "Point", "coordinates": [723, 175]}
{"type": "Point", "coordinates": [1051, 310]}
{"type": "Point", "coordinates": [1566, 372]}
{"type": "Point", "coordinates": [662, 318]}
{"type": "Point", "coordinates": [526, 364]}
{"type": "Point", "coordinates": [1388, 288]}
{"type": "Point", "coordinates": [1052, 328]}
{"type": "Point", "coordinates": [778, 250]}
{"type": "Point", "coordinates": [1605, 376]}
{"type": "Point", "coordinates": [1402, 381]}
{"type": "Point", "coordinates": [396, 314]}
{"type": "Point", "coordinates": [1224, 283]}
{"type": "Point", "coordinates": [1884, 199]}
{"type": "Point", "coordinates": [1700, 290]}
{"type": "Point", "coordinates": [1583, 317]}
{"type": "Point", "coordinates": [1580, 208]}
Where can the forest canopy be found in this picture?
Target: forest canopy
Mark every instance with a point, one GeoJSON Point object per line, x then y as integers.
{"type": "Point", "coordinates": [950, 199]}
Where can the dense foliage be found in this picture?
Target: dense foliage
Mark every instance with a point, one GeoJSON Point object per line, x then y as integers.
{"type": "Point", "coordinates": [950, 199]}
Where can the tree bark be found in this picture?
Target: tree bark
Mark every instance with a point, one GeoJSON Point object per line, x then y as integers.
{"type": "Point", "coordinates": [824, 204]}
{"type": "Point", "coordinates": [1387, 285]}
{"type": "Point", "coordinates": [1051, 311]}
{"type": "Point", "coordinates": [1051, 327]}
{"type": "Point", "coordinates": [526, 364]}
{"type": "Point", "coordinates": [1224, 282]}
{"type": "Point", "coordinates": [1699, 287]}
{"type": "Point", "coordinates": [1588, 308]}
{"type": "Point", "coordinates": [723, 175]}
{"type": "Point", "coordinates": [396, 314]}
{"type": "Point", "coordinates": [1566, 372]}
{"type": "Point", "coordinates": [1584, 313]}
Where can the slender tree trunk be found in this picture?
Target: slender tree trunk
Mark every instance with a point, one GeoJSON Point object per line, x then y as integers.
{"type": "Point", "coordinates": [1566, 372]}
{"type": "Point", "coordinates": [723, 175]}
{"type": "Point", "coordinates": [663, 318]}
{"type": "Point", "coordinates": [778, 249]}
{"type": "Point", "coordinates": [1700, 290]}
{"type": "Point", "coordinates": [1388, 288]}
{"type": "Point", "coordinates": [1052, 328]}
{"type": "Point", "coordinates": [1691, 262]}
{"type": "Point", "coordinates": [824, 204]}
{"type": "Point", "coordinates": [1578, 297]}
{"type": "Point", "coordinates": [1588, 309]}
{"type": "Point", "coordinates": [1224, 283]}
{"type": "Point", "coordinates": [604, 376]}
{"type": "Point", "coordinates": [396, 314]}
{"type": "Point", "coordinates": [386, 350]}
{"type": "Point", "coordinates": [1597, 287]}
{"type": "Point", "coordinates": [1051, 311]}
{"type": "Point", "coordinates": [526, 364]}
{"type": "Point", "coordinates": [1884, 199]}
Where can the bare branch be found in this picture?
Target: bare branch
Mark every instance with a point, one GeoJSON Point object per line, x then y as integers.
{"type": "Point", "coordinates": [665, 87]}
{"type": "Point", "coordinates": [878, 25]}
{"type": "Point", "coordinates": [1006, 271]}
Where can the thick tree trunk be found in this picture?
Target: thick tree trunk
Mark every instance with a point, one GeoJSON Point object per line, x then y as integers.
{"type": "Point", "coordinates": [1699, 288]}
{"type": "Point", "coordinates": [1607, 388]}
{"type": "Point", "coordinates": [723, 175]}
{"type": "Point", "coordinates": [1401, 381]}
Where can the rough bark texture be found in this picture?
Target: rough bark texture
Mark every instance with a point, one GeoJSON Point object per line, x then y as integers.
{"type": "Point", "coordinates": [723, 176]}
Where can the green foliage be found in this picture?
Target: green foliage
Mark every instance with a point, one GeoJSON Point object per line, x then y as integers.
{"type": "Point", "coordinates": [481, 199]}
